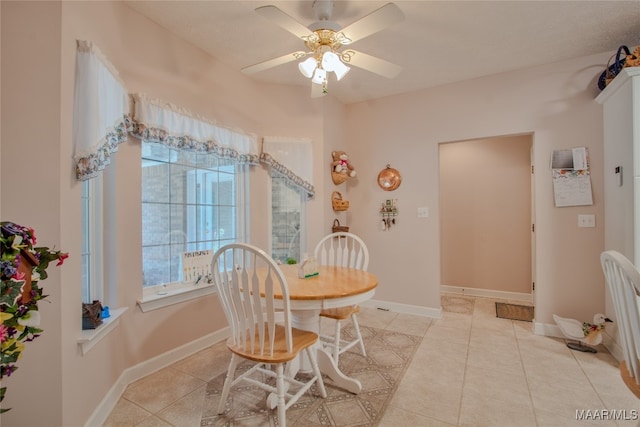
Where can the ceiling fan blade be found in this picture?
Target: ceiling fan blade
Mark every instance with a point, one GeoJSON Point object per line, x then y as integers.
{"type": "Point", "coordinates": [283, 20]}
{"type": "Point", "coordinates": [377, 20]}
{"type": "Point", "coordinates": [373, 64]}
{"type": "Point", "coordinates": [273, 62]}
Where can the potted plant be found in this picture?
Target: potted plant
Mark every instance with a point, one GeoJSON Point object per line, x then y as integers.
{"type": "Point", "coordinates": [22, 266]}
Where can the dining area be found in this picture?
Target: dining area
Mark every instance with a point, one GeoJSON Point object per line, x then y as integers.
{"type": "Point", "coordinates": [274, 313]}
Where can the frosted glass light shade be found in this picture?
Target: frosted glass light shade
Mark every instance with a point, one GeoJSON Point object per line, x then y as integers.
{"type": "Point", "coordinates": [307, 67]}
{"type": "Point", "coordinates": [331, 62]}
{"type": "Point", "coordinates": [319, 76]}
{"type": "Point", "coordinates": [341, 70]}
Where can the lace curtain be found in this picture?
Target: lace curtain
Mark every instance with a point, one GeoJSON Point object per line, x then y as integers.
{"type": "Point", "coordinates": [101, 111]}
{"type": "Point", "coordinates": [175, 127]}
{"type": "Point", "coordinates": [291, 158]}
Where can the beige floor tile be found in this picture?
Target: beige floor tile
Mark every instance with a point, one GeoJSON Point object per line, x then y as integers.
{"type": "Point", "coordinates": [126, 413]}
{"type": "Point", "coordinates": [154, 421]}
{"type": "Point", "coordinates": [206, 364]}
{"type": "Point", "coordinates": [187, 411]}
{"type": "Point", "coordinates": [375, 318]}
{"type": "Point", "coordinates": [563, 397]}
{"type": "Point", "coordinates": [440, 401]}
{"type": "Point", "coordinates": [444, 333]}
{"type": "Point", "coordinates": [411, 325]}
{"type": "Point", "coordinates": [506, 387]}
{"type": "Point", "coordinates": [483, 410]}
{"type": "Point", "coordinates": [495, 357]}
{"type": "Point", "coordinates": [433, 348]}
{"type": "Point", "coordinates": [454, 320]}
{"type": "Point", "coordinates": [470, 369]}
{"type": "Point", "coordinates": [394, 417]}
{"type": "Point", "coordinates": [161, 389]}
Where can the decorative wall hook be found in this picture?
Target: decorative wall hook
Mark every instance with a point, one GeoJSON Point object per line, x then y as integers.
{"type": "Point", "coordinates": [389, 212]}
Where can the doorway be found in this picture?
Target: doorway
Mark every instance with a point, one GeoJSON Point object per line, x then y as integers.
{"type": "Point", "coordinates": [486, 235]}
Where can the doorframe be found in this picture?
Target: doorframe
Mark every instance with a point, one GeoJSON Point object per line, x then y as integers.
{"type": "Point", "coordinates": [527, 298]}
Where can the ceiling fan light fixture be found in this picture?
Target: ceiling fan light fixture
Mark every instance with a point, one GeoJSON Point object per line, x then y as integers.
{"type": "Point", "coordinates": [307, 67]}
{"type": "Point", "coordinates": [319, 76]}
{"type": "Point", "coordinates": [341, 70]}
{"type": "Point", "coordinates": [329, 61]}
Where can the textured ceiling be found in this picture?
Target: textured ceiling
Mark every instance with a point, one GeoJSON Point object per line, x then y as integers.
{"type": "Point", "coordinates": [438, 42]}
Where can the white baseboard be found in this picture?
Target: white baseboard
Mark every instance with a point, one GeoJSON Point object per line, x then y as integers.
{"type": "Point", "coordinates": [488, 293]}
{"type": "Point", "coordinates": [547, 330]}
{"type": "Point", "coordinates": [416, 310]}
{"type": "Point", "coordinates": [134, 373]}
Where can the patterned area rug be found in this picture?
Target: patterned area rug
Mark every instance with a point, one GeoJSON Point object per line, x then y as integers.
{"type": "Point", "coordinates": [388, 356]}
{"type": "Point", "coordinates": [457, 304]}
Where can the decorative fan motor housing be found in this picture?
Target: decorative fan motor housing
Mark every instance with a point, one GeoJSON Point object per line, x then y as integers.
{"type": "Point", "coordinates": [389, 178]}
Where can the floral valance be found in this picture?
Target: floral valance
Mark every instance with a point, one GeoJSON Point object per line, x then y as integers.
{"type": "Point", "coordinates": [291, 158]}
{"type": "Point", "coordinates": [101, 111]}
{"type": "Point", "coordinates": [167, 124]}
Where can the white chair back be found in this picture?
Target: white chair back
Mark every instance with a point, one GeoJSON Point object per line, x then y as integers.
{"type": "Point", "coordinates": [241, 272]}
{"type": "Point", "coordinates": [342, 249]}
{"type": "Point", "coordinates": [623, 281]}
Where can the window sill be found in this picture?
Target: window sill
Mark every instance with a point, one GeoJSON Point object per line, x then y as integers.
{"type": "Point", "coordinates": [159, 297]}
{"type": "Point", "coordinates": [91, 337]}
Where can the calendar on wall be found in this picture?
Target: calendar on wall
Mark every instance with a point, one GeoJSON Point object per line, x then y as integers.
{"type": "Point", "coordinates": [571, 177]}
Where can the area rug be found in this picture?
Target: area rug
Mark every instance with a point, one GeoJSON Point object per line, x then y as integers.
{"type": "Point", "coordinates": [457, 304]}
{"type": "Point", "coordinates": [514, 311]}
{"type": "Point", "coordinates": [388, 356]}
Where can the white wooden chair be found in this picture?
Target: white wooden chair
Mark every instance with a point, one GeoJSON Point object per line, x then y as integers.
{"type": "Point", "coordinates": [345, 250]}
{"type": "Point", "coordinates": [239, 272]}
{"type": "Point", "coordinates": [623, 281]}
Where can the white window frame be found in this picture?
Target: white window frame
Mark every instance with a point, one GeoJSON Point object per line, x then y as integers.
{"type": "Point", "coordinates": [162, 295]}
{"type": "Point", "coordinates": [92, 240]}
{"type": "Point", "coordinates": [302, 225]}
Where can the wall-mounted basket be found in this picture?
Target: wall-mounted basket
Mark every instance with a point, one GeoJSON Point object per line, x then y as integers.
{"type": "Point", "coordinates": [339, 228]}
{"type": "Point", "coordinates": [338, 203]}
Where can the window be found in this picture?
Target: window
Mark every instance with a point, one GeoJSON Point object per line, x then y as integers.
{"type": "Point", "coordinates": [190, 201]}
{"type": "Point", "coordinates": [287, 214]}
{"type": "Point", "coordinates": [92, 281]}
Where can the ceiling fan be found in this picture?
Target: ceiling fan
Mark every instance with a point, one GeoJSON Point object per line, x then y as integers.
{"type": "Point", "coordinates": [325, 39]}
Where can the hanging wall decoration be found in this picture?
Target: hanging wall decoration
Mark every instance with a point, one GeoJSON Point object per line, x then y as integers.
{"type": "Point", "coordinates": [341, 168]}
{"type": "Point", "coordinates": [389, 178]}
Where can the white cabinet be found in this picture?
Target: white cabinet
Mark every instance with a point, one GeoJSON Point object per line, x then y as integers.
{"type": "Point", "coordinates": [621, 107]}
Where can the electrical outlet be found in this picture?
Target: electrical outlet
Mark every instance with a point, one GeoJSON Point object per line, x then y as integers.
{"type": "Point", "coordinates": [587, 221]}
{"type": "Point", "coordinates": [423, 212]}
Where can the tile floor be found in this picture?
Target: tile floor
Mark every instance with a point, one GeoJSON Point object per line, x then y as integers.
{"type": "Point", "coordinates": [471, 369]}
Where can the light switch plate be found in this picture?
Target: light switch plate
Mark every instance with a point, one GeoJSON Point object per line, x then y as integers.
{"type": "Point", "coordinates": [587, 221]}
{"type": "Point", "coordinates": [423, 212]}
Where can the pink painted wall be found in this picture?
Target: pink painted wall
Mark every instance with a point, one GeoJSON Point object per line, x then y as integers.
{"type": "Point", "coordinates": [554, 102]}
{"type": "Point", "coordinates": [38, 61]}
{"type": "Point", "coordinates": [39, 45]}
{"type": "Point", "coordinates": [485, 207]}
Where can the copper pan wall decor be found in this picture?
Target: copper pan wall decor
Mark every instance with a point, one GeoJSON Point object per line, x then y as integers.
{"type": "Point", "coordinates": [389, 178]}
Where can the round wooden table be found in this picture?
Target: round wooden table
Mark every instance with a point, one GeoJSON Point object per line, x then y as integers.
{"type": "Point", "coordinates": [332, 287]}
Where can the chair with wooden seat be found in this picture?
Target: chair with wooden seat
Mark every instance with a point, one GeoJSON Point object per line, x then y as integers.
{"type": "Point", "coordinates": [345, 250]}
{"type": "Point", "coordinates": [623, 281]}
{"type": "Point", "coordinates": [261, 330]}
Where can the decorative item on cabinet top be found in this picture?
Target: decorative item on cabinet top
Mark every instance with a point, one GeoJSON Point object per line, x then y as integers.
{"type": "Point", "coordinates": [623, 58]}
{"type": "Point", "coordinates": [341, 168]}
{"type": "Point", "coordinates": [338, 203]}
{"type": "Point", "coordinates": [389, 178]}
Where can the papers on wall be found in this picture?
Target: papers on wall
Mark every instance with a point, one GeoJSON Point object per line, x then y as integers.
{"type": "Point", "coordinates": [196, 265]}
{"type": "Point", "coordinates": [571, 177]}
